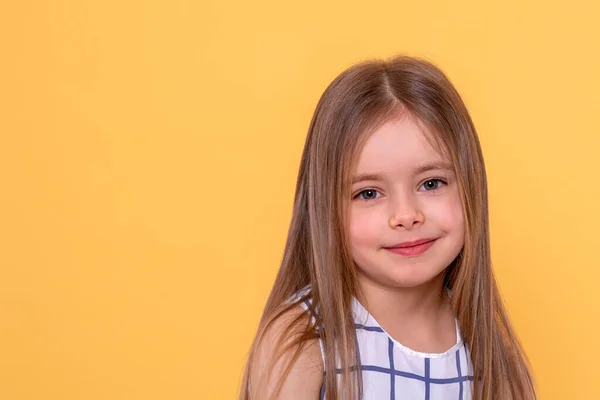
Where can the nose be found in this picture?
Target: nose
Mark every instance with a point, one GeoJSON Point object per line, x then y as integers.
{"type": "Point", "coordinates": [405, 212]}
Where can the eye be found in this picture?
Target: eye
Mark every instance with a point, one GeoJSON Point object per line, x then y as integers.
{"type": "Point", "coordinates": [432, 184]}
{"type": "Point", "coordinates": [368, 194]}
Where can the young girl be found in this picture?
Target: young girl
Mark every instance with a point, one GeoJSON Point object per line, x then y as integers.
{"type": "Point", "coordinates": [386, 289]}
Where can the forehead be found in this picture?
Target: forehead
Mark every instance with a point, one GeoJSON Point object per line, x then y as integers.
{"type": "Point", "coordinates": [399, 145]}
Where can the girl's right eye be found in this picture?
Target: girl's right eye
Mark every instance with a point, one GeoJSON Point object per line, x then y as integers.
{"type": "Point", "coordinates": [367, 194]}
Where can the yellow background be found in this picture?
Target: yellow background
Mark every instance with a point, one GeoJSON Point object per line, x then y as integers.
{"type": "Point", "coordinates": [148, 155]}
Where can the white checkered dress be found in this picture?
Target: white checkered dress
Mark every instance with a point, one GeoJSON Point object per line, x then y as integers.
{"type": "Point", "coordinates": [393, 371]}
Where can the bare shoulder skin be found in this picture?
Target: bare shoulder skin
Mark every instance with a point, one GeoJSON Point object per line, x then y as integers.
{"type": "Point", "coordinates": [306, 375]}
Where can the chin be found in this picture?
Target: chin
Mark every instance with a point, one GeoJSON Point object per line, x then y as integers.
{"type": "Point", "coordinates": [403, 277]}
{"type": "Point", "coordinates": [413, 280]}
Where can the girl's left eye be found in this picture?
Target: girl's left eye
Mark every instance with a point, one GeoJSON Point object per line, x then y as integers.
{"type": "Point", "coordinates": [432, 184]}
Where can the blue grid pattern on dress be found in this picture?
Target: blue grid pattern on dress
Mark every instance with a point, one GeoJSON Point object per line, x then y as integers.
{"type": "Point", "coordinates": [392, 371]}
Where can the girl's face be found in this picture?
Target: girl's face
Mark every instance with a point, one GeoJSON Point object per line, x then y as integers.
{"type": "Point", "coordinates": [406, 222]}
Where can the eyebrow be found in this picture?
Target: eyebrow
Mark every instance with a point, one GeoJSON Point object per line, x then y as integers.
{"type": "Point", "coordinates": [418, 170]}
{"type": "Point", "coordinates": [444, 166]}
{"type": "Point", "coordinates": [366, 177]}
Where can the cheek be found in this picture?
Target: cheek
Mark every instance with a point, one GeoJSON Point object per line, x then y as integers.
{"type": "Point", "coordinates": [364, 228]}
{"type": "Point", "coordinates": [448, 216]}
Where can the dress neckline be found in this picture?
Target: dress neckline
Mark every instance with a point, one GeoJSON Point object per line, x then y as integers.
{"type": "Point", "coordinates": [366, 320]}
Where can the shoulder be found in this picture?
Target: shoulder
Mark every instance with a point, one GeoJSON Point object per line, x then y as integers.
{"type": "Point", "coordinates": [289, 357]}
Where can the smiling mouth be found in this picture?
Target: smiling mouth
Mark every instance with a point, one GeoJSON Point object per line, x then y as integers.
{"type": "Point", "coordinates": [416, 249]}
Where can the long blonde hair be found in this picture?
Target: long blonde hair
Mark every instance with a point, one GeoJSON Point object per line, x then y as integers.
{"type": "Point", "coordinates": [358, 101]}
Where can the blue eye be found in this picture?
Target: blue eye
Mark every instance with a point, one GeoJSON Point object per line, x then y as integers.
{"type": "Point", "coordinates": [368, 194]}
{"type": "Point", "coordinates": [432, 184]}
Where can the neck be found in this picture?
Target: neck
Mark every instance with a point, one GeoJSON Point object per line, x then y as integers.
{"type": "Point", "coordinates": [401, 310]}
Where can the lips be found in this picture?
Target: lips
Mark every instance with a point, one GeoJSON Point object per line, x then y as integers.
{"type": "Point", "coordinates": [412, 248]}
{"type": "Point", "coordinates": [411, 244]}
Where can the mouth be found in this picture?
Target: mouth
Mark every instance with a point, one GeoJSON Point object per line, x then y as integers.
{"type": "Point", "coordinates": [414, 248]}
